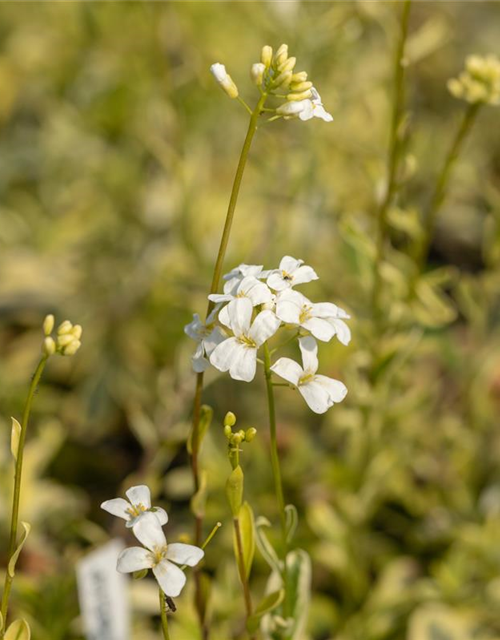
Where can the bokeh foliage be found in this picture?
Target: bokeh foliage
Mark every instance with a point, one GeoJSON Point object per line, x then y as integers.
{"type": "Point", "coordinates": [117, 153]}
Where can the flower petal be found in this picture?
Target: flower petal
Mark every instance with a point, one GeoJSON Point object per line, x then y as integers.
{"type": "Point", "coordinates": [149, 532]}
{"type": "Point", "coordinates": [256, 291]}
{"type": "Point", "coordinates": [277, 282]}
{"type": "Point", "coordinates": [139, 495]}
{"type": "Point", "coordinates": [240, 316]}
{"type": "Point", "coordinates": [316, 396]}
{"type": "Point", "coordinates": [117, 507]}
{"type": "Point", "coordinates": [193, 328]}
{"type": "Point", "coordinates": [309, 350]}
{"type": "Point", "coordinates": [184, 553]}
{"type": "Point", "coordinates": [264, 326]}
{"type": "Point", "coordinates": [304, 274]}
{"type": "Point", "coordinates": [336, 389]}
{"type": "Point", "coordinates": [289, 306]}
{"type": "Point", "coordinates": [223, 354]}
{"type": "Point", "coordinates": [288, 369]}
{"type": "Point", "coordinates": [220, 297]}
{"type": "Point", "coordinates": [244, 363]}
{"type": "Point", "coordinates": [198, 360]}
{"type": "Point", "coordinates": [170, 578]}
{"type": "Point", "coordinates": [342, 331]}
{"type": "Point", "coordinates": [320, 328]}
{"type": "Point", "coordinates": [325, 310]}
{"type": "Point", "coordinates": [134, 559]}
{"type": "Point", "coordinates": [290, 264]}
{"type": "Point", "coordinates": [161, 514]}
{"type": "Point", "coordinates": [211, 341]}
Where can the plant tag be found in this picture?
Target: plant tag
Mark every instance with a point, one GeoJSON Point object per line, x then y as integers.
{"type": "Point", "coordinates": [103, 594]}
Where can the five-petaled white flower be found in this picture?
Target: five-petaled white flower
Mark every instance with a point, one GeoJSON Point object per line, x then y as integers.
{"type": "Point", "coordinates": [320, 392]}
{"type": "Point", "coordinates": [138, 507]}
{"type": "Point", "coordinates": [208, 337]}
{"type": "Point", "coordinates": [305, 109]}
{"type": "Point", "coordinates": [238, 354]}
{"type": "Point", "coordinates": [322, 319]}
{"type": "Point", "coordinates": [249, 287]}
{"type": "Point", "coordinates": [290, 273]}
{"type": "Point", "coordinates": [159, 556]}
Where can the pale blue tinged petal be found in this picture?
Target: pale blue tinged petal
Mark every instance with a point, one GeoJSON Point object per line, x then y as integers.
{"type": "Point", "coordinates": [184, 554]}
{"type": "Point", "coordinates": [170, 578]}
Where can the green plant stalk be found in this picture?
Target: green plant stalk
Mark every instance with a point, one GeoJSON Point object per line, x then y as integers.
{"type": "Point", "coordinates": [393, 161]}
{"type": "Point", "coordinates": [241, 569]}
{"type": "Point", "coordinates": [164, 617]}
{"type": "Point", "coordinates": [14, 522]}
{"type": "Point", "coordinates": [219, 263]}
{"type": "Point", "coordinates": [443, 180]}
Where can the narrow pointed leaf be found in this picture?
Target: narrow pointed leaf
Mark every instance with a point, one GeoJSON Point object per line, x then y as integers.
{"type": "Point", "coordinates": [18, 630]}
{"type": "Point", "coordinates": [292, 520]}
{"type": "Point", "coordinates": [265, 547]}
{"type": "Point", "coordinates": [266, 605]}
{"type": "Point", "coordinates": [247, 530]}
{"type": "Point", "coordinates": [12, 562]}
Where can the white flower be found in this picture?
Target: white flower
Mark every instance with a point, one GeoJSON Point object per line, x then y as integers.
{"type": "Point", "coordinates": [238, 354]}
{"type": "Point", "coordinates": [138, 506]}
{"type": "Point", "coordinates": [207, 336]}
{"type": "Point", "coordinates": [320, 392]}
{"type": "Point", "coordinates": [159, 556]}
{"type": "Point", "coordinates": [290, 273]}
{"type": "Point", "coordinates": [249, 287]}
{"type": "Point", "coordinates": [294, 308]}
{"type": "Point", "coordinates": [305, 109]}
{"type": "Point", "coordinates": [237, 274]}
{"type": "Point", "coordinates": [224, 79]}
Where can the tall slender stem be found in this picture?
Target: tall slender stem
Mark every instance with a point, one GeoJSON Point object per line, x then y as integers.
{"type": "Point", "coordinates": [14, 523]}
{"type": "Point", "coordinates": [219, 263]}
{"type": "Point", "coordinates": [392, 161]}
{"type": "Point", "coordinates": [164, 617]}
{"type": "Point", "coordinates": [443, 180]}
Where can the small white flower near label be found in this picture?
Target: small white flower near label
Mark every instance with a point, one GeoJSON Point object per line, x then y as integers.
{"type": "Point", "coordinates": [291, 272]}
{"type": "Point", "coordinates": [137, 507]}
{"type": "Point", "coordinates": [238, 354]}
{"type": "Point", "coordinates": [320, 392]}
{"type": "Point", "coordinates": [159, 556]}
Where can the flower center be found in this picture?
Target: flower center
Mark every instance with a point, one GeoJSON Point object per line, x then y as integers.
{"type": "Point", "coordinates": [305, 314]}
{"type": "Point", "coordinates": [286, 276]}
{"type": "Point", "coordinates": [307, 377]}
{"type": "Point", "coordinates": [247, 342]}
{"type": "Point", "coordinates": [136, 509]}
{"type": "Point", "coordinates": [159, 554]}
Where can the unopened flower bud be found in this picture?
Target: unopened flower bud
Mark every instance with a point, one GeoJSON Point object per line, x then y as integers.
{"type": "Point", "coordinates": [236, 439]}
{"type": "Point", "coordinates": [224, 79]}
{"type": "Point", "coordinates": [241, 433]}
{"type": "Point", "coordinates": [283, 80]}
{"type": "Point", "coordinates": [266, 56]}
{"type": "Point", "coordinates": [230, 419]}
{"type": "Point", "coordinates": [288, 65]}
{"type": "Point", "coordinates": [281, 55]}
{"type": "Point", "coordinates": [295, 97]}
{"type": "Point", "coordinates": [64, 327]}
{"type": "Point", "coordinates": [49, 346]}
{"type": "Point", "coordinates": [48, 324]}
{"type": "Point", "coordinates": [72, 348]}
{"type": "Point", "coordinates": [77, 331]}
{"type": "Point", "coordinates": [257, 72]}
{"type": "Point", "coordinates": [65, 339]}
{"type": "Point", "coordinates": [227, 431]}
{"type": "Point", "coordinates": [298, 87]}
{"type": "Point", "coordinates": [301, 76]}
{"type": "Point", "coordinates": [250, 434]}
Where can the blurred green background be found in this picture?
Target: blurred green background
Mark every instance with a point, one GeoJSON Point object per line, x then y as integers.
{"type": "Point", "coordinates": [117, 154]}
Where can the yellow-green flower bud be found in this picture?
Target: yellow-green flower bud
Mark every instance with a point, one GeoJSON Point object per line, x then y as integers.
{"type": "Point", "coordinates": [480, 82]}
{"type": "Point", "coordinates": [295, 97]}
{"type": "Point", "coordinates": [257, 72]}
{"type": "Point", "coordinates": [77, 331]}
{"type": "Point", "coordinates": [241, 433]}
{"type": "Point", "coordinates": [301, 76]}
{"type": "Point", "coordinates": [234, 490]}
{"type": "Point", "coordinates": [48, 324]}
{"type": "Point", "coordinates": [283, 80]}
{"type": "Point", "coordinates": [236, 439]}
{"type": "Point", "coordinates": [49, 346]}
{"type": "Point", "coordinates": [65, 339]}
{"type": "Point", "coordinates": [230, 419]}
{"type": "Point", "coordinates": [227, 431]}
{"type": "Point", "coordinates": [64, 327]}
{"type": "Point", "coordinates": [288, 65]}
{"type": "Point", "coordinates": [250, 434]}
{"type": "Point", "coordinates": [72, 348]}
{"type": "Point", "coordinates": [224, 79]}
{"type": "Point", "coordinates": [281, 55]}
{"type": "Point", "coordinates": [266, 56]}
{"type": "Point", "coordinates": [298, 87]}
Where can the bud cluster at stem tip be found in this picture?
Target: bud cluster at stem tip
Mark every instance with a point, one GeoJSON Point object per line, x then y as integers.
{"type": "Point", "coordinates": [235, 439]}
{"type": "Point", "coordinates": [67, 340]}
{"type": "Point", "coordinates": [479, 82]}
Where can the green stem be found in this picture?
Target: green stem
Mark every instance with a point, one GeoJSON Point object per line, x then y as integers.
{"type": "Point", "coordinates": [219, 263]}
{"type": "Point", "coordinates": [164, 617]}
{"type": "Point", "coordinates": [443, 180]}
{"type": "Point", "coordinates": [14, 522]}
{"type": "Point", "coordinates": [392, 163]}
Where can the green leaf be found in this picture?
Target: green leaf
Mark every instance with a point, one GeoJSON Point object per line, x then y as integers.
{"type": "Point", "coordinates": [199, 499]}
{"type": "Point", "coordinates": [18, 630]}
{"type": "Point", "coordinates": [266, 605]}
{"type": "Point", "coordinates": [292, 520]}
{"type": "Point", "coordinates": [265, 547]}
{"type": "Point", "coordinates": [247, 532]}
{"type": "Point", "coordinates": [234, 490]}
{"type": "Point", "coordinates": [206, 415]}
{"type": "Point", "coordinates": [15, 436]}
{"type": "Point", "coordinates": [15, 555]}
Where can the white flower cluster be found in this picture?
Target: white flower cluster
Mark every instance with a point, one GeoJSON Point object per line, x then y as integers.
{"type": "Point", "coordinates": [275, 75]}
{"type": "Point", "coordinates": [146, 522]}
{"type": "Point", "coordinates": [255, 304]}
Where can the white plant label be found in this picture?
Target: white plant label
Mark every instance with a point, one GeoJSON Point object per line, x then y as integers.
{"type": "Point", "coordinates": [103, 594]}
